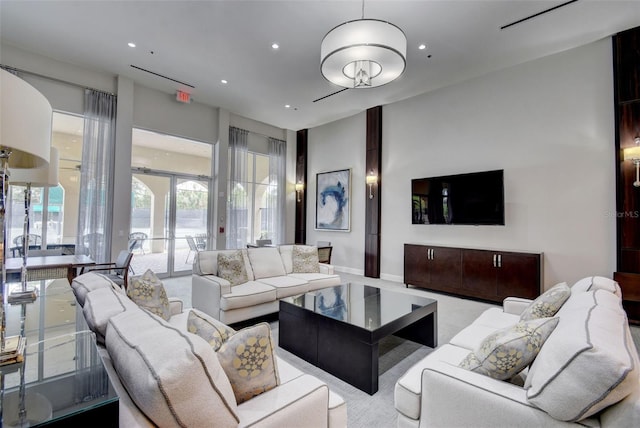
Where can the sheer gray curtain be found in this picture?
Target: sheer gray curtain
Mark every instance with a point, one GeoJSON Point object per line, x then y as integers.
{"type": "Point", "coordinates": [237, 204]}
{"type": "Point", "coordinates": [275, 221]}
{"type": "Point", "coordinates": [96, 178]}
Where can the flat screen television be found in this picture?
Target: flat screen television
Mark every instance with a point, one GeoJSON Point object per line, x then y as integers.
{"type": "Point", "coordinates": [475, 198]}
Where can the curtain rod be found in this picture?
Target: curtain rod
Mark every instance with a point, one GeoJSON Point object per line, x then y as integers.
{"type": "Point", "coordinates": [257, 133]}
{"type": "Point", "coordinates": [54, 79]}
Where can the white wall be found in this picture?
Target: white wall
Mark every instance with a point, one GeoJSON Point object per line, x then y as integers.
{"type": "Point", "coordinates": [548, 123]}
{"type": "Point", "coordinates": [339, 145]}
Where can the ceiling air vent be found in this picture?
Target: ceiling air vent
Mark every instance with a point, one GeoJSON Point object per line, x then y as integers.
{"type": "Point", "coordinates": [535, 15]}
{"type": "Point", "coordinates": [160, 75]}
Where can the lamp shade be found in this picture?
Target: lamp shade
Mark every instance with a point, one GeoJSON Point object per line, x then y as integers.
{"type": "Point", "coordinates": [364, 53]}
{"type": "Point", "coordinates": [45, 176]}
{"type": "Point", "coordinates": [632, 153]}
{"type": "Point", "coordinates": [25, 123]}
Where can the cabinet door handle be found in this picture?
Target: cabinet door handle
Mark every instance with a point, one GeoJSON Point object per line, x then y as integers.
{"type": "Point", "coordinates": [499, 260]}
{"type": "Point", "coordinates": [495, 260]}
{"type": "Point", "coordinates": [429, 254]}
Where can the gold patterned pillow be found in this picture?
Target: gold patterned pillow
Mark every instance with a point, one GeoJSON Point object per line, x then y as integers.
{"type": "Point", "coordinates": [305, 259]}
{"type": "Point", "coordinates": [504, 353]}
{"type": "Point", "coordinates": [148, 292]}
{"type": "Point", "coordinates": [231, 267]}
{"type": "Point", "coordinates": [208, 328]}
{"type": "Point", "coordinates": [548, 303]}
{"type": "Point", "coordinates": [249, 361]}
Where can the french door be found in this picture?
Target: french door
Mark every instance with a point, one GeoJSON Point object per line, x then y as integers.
{"type": "Point", "coordinates": [169, 221]}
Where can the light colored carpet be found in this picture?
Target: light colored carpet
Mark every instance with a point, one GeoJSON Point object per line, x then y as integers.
{"type": "Point", "coordinates": [377, 410]}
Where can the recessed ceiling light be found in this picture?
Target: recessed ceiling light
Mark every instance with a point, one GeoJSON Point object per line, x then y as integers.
{"type": "Point", "coordinates": [287, 106]}
{"type": "Point", "coordinates": [275, 46]}
{"type": "Point", "coordinates": [224, 82]}
{"type": "Point", "coordinates": [131, 45]}
{"type": "Point", "coordinates": [422, 46]}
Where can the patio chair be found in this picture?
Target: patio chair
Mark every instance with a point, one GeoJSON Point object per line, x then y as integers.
{"type": "Point", "coordinates": [34, 240]}
{"type": "Point", "coordinates": [136, 241]}
{"type": "Point", "coordinates": [193, 247]}
{"type": "Point", "coordinates": [117, 271]}
{"type": "Point", "coordinates": [201, 241]}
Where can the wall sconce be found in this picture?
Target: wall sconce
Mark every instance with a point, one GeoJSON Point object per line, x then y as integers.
{"type": "Point", "coordinates": [371, 180]}
{"type": "Point", "coordinates": [299, 190]}
{"type": "Point", "coordinates": [633, 154]}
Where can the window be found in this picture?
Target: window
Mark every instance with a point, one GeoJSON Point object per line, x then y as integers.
{"type": "Point", "coordinates": [251, 199]}
{"type": "Point", "coordinates": [53, 215]}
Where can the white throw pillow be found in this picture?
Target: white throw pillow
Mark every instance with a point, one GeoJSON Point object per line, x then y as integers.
{"type": "Point", "coordinates": [148, 292]}
{"type": "Point", "coordinates": [232, 268]}
{"type": "Point", "coordinates": [266, 262]}
{"type": "Point", "coordinates": [548, 303]}
{"type": "Point", "coordinates": [174, 377]}
{"type": "Point", "coordinates": [249, 360]}
{"type": "Point", "coordinates": [588, 363]}
{"type": "Point", "coordinates": [504, 353]}
{"type": "Point", "coordinates": [305, 259]}
{"type": "Point", "coordinates": [208, 328]}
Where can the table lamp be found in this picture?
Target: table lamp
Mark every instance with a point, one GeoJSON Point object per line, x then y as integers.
{"type": "Point", "coordinates": [45, 176]}
{"type": "Point", "coordinates": [25, 142]}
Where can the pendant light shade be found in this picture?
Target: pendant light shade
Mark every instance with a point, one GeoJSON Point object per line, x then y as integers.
{"type": "Point", "coordinates": [363, 54]}
{"type": "Point", "coordinates": [25, 123]}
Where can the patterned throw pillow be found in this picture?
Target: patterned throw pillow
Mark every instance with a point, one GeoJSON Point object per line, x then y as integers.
{"type": "Point", "coordinates": [208, 328]}
{"type": "Point", "coordinates": [148, 292]}
{"type": "Point", "coordinates": [504, 353]}
{"type": "Point", "coordinates": [231, 267]}
{"type": "Point", "coordinates": [548, 303]}
{"type": "Point", "coordinates": [305, 259]}
{"type": "Point", "coordinates": [249, 361]}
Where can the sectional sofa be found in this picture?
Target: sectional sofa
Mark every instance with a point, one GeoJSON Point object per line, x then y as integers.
{"type": "Point", "coordinates": [268, 274]}
{"type": "Point", "coordinates": [585, 373]}
{"type": "Point", "coordinates": [166, 376]}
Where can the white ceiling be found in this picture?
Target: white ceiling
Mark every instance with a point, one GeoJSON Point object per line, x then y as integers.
{"type": "Point", "coordinates": [202, 42]}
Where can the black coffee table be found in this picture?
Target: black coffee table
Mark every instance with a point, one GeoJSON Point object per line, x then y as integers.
{"type": "Point", "coordinates": [338, 329]}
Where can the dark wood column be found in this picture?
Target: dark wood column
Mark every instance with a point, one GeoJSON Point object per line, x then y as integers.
{"type": "Point", "coordinates": [626, 66]}
{"type": "Point", "coordinates": [301, 178]}
{"type": "Point", "coordinates": [373, 200]}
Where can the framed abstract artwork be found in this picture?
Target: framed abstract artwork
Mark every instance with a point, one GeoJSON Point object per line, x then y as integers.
{"type": "Point", "coordinates": [333, 205]}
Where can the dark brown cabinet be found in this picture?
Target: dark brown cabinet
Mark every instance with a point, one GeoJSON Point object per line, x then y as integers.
{"type": "Point", "coordinates": [435, 268]}
{"type": "Point", "coordinates": [476, 273]}
{"type": "Point", "coordinates": [630, 285]}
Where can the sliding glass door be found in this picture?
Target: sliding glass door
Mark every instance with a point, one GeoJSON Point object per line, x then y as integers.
{"type": "Point", "coordinates": [168, 221]}
{"type": "Point", "coordinates": [170, 202]}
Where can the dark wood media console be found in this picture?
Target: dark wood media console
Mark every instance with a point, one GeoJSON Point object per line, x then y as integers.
{"type": "Point", "coordinates": [477, 273]}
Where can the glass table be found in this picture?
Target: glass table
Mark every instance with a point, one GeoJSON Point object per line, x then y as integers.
{"type": "Point", "coordinates": [339, 329]}
{"type": "Point", "coordinates": [62, 381]}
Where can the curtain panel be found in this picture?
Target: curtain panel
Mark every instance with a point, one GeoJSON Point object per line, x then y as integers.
{"type": "Point", "coordinates": [237, 203]}
{"type": "Point", "coordinates": [96, 177]}
{"type": "Point", "coordinates": [276, 199]}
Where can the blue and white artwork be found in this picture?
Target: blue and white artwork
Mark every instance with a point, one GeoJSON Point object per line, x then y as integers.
{"type": "Point", "coordinates": [332, 200]}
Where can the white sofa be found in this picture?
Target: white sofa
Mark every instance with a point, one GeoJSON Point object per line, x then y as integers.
{"type": "Point", "coordinates": [585, 374]}
{"type": "Point", "coordinates": [176, 378]}
{"type": "Point", "coordinates": [271, 276]}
